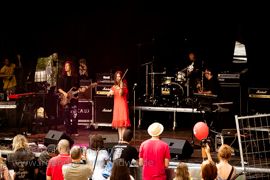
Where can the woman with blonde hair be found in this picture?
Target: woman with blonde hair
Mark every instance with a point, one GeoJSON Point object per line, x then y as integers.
{"type": "Point", "coordinates": [182, 172]}
{"type": "Point", "coordinates": [225, 170]}
{"type": "Point", "coordinates": [4, 174]}
{"type": "Point", "coordinates": [22, 160]}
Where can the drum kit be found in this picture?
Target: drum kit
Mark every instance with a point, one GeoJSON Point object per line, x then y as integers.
{"type": "Point", "coordinates": [167, 90]}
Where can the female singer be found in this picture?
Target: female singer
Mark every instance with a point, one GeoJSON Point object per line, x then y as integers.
{"type": "Point", "coordinates": [120, 109]}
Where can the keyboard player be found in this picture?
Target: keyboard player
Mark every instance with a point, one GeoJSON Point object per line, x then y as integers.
{"type": "Point", "coordinates": [213, 85]}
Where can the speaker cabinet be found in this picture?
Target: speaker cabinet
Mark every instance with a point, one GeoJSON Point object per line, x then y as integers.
{"type": "Point", "coordinates": [110, 140]}
{"type": "Point", "coordinates": [233, 93]}
{"type": "Point", "coordinates": [53, 137]}
{"type": "Point", "coordinates": [103, 109]}
{"type": "Point", "coordinates": [179, 148]}
{"type": "Point", "coordinates": [258, 106]}
{"type": "Point", "coordinates": [85, 112]}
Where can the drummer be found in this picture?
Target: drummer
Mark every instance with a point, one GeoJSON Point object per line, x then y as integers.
{"type": "Point", "coordinates": [193, 69]}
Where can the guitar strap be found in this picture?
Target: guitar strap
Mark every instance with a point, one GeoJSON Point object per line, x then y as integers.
{"type": "Point", "coordinates": [230, 175]}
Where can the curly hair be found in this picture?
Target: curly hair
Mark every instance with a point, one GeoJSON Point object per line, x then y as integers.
{"type": "Point", "coordinates": [182, 172]}
{"type": "Point", "coordinates": [119, 170]}
{"type": "Point", "coordinates": [225, 152]}
{"type": "Point", "coordinates": [20, 142]}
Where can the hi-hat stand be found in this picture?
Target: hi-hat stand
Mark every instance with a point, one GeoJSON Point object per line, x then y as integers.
{"type": "Point", "coordinates": [152, 73]}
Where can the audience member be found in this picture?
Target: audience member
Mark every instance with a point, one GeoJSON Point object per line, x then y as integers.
{"type": "Point", "coordinates": [77, 170]}
{"type": "Point", "coordinates": [225, 170]}
{"type": "Point", "coordinates": [154, 154]}
{"type": "Point", "coordinates": [54, 169]}
{"type": "Point", "coordinates": [4, 174]}
{"type": "Point", "coordinates": [97, 156]}
{"type": "Point", "coordinates": [208, 170]}
{"type": "Point", "coordinates": [22, 160]}
{"type": "Point", "coordinates": [182, 172]}
{"type": "Point", "coordinates": [120, 171]}
{"type": "Point", "coordinates": [124, 150]}
{"type": "Point", "coordinates": [44, 157]}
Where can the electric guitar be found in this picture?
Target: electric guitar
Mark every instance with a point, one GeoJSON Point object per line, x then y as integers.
{"type": "Point", "coordinates": [65, 100]}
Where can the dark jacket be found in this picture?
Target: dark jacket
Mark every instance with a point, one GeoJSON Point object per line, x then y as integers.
{"type": "Point", "coordinates": [23, 162]}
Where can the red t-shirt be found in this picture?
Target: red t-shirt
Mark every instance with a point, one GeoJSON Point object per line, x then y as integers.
{"type": "Point", "coordinates": [153, 153]}
{"type": "Point", "coordinates": [55, 164]}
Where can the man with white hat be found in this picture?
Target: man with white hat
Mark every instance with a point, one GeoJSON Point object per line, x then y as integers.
{"type": "Point", "coordinates": [154, 154]}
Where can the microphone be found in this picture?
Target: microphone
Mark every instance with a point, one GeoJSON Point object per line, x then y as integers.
{"type": "Point", "coordinates": [135, 84]}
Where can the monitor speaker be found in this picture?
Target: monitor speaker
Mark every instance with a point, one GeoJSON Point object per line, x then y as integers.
{"type": "Point", "coordinates": [179, 148]}
{"type": "Point", "coordinates": [53, 137]}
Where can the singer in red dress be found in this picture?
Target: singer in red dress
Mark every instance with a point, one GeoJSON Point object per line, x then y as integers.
{"type": "Point", "coordinates": [120, 109]}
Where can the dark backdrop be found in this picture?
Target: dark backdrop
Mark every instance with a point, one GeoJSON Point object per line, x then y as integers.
{"type": "Point", "coordinates": [107, 35]}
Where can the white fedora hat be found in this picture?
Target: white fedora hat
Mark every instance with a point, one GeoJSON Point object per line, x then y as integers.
{"type": "Point", "coordinates": [155, 129]}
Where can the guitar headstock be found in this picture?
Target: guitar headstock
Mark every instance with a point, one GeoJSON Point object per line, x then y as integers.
{"type": "Point", "coordinates": [93, 85]}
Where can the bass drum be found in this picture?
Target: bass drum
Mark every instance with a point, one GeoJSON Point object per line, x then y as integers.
{"type": "Point", "coordinates": [170, 95]}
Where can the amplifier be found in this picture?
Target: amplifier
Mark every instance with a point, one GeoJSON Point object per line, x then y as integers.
{"type": "Point", "coordinates": [232, 77]}
{"type": "Point", "coordinates": [105, 78]}
{"type": "Point", "coordinates": [259, 93]}
{"type": "Point", "coordinates": [103, 109]}
{"type": "Point", "coordinates": [103, 89]}
{"type": "Point", "coordinates": [88, 92]}
{"type": "Point", "coordinates": [85, 112]}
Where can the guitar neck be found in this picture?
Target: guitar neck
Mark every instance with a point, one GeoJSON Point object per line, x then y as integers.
{"type": "Point", "coordinates": [76, 92]}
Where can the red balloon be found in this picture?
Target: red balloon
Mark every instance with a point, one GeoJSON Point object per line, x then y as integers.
{"type": "Point", "coordinates": [200, 130]}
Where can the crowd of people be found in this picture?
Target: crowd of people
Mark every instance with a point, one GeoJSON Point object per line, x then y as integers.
{"type": "Point", "coordinates": [61, 162]}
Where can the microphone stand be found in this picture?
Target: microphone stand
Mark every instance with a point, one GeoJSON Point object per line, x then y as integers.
{"type": "Point", "coordinates": [134, 118]}
{"type": "Point", "coordinates": [202, 75]}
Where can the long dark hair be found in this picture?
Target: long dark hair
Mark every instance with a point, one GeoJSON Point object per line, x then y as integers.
{"type": "Point", "coordinates": [119, 170]}
{"type": "Point", "coordinates": [72, 67]}
{"type": "Point", "coordinates": [121, 75]}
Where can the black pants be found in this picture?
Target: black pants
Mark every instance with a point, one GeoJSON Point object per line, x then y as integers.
{"type": "Point", "coordinates": [71, 117]}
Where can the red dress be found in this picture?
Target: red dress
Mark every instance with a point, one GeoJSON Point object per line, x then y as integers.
{"type": "Point", "coordinates": [120, 108]}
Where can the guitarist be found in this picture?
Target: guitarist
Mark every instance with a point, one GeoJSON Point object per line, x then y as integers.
{"type": "Point", "coordinates": [70, 80]}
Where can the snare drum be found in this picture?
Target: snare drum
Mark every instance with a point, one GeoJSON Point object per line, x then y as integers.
{"type": "Point", "coordinates": [180, 76]}
{"type": "Point", "coordinates": [167, 80]}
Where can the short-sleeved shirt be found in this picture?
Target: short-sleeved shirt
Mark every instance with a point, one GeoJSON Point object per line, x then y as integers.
{"type": "Point", "coordinates": [125, 151]}
{"type": "Point", "coordinates": [154, 153]}
{"type": "Point", "coordinates": [55, 164]}
{"type": "Point", "coordinates": [76, 171]}
{"type": "Point", "coordinates": [9, 82]}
